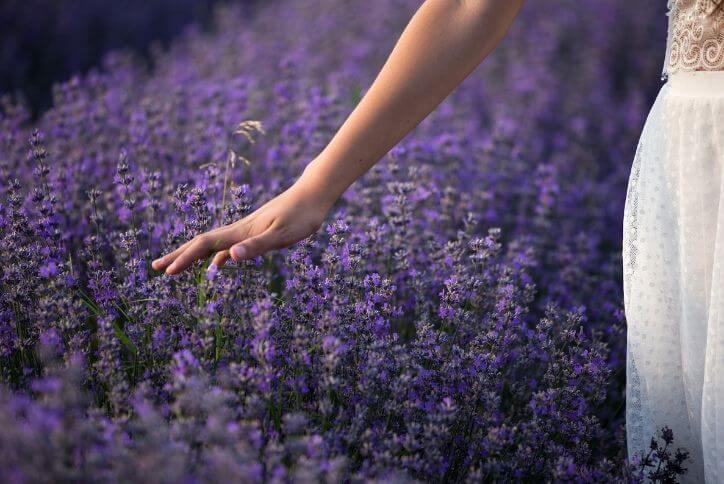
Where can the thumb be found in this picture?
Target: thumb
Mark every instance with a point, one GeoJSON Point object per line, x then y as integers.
{"type": "Point", "coordinates": [254, 246]}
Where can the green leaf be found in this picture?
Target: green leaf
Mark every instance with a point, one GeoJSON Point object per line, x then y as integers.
{"type": "Point", "coordinates": [124, 339]}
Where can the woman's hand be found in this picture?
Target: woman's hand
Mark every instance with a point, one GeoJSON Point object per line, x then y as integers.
{"type": "Point", "coordinates": [288, 218]}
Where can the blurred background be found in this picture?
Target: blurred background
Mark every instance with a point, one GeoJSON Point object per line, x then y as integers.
{"type": "Point", "coordinates": [47, 41]}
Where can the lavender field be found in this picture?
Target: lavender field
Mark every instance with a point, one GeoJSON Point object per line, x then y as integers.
{"type": "Point", "coordinates": [459, 317]}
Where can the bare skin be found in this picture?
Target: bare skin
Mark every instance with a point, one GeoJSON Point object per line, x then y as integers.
{"type": "Point", "coordinates": [442, 44]}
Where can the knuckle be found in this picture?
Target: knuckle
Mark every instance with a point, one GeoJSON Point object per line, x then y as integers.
{"type": "Point", "coordinates": [246, 229]}
{"type": "Point", "coordinates": [279, 228]}
{"type": "Point", "coordinates": [204, 239]}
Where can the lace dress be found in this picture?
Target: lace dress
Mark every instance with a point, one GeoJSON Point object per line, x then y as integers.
{"type": "Point", "coordinates": [673, 250]}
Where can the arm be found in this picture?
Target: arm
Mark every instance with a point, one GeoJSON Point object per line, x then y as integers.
{"type": "Point", "coordinates": [443, 42]}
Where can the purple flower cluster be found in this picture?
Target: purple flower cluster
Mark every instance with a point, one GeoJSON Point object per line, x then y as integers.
{"type": "Point", "coordinates": [459, 319]}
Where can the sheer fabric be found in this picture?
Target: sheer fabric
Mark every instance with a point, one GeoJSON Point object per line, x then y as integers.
{"type": "Point", "coordinates": [696, 37]}
{"type": "Point", "coordinates": [673, 265]}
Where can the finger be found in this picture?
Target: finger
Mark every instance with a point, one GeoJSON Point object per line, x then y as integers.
{"type": "Point", "coordinates": [163, 262]}
{"type": "Point", "coordinates": [256, 245]}
{"type": "Point", "coordinates": [206, 245]}
{"type": "Point", "coordinates": [221, 257]}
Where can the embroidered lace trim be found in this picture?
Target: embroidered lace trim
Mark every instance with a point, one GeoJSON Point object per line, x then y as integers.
{"type": "Point", "coordinates": [696, 37]}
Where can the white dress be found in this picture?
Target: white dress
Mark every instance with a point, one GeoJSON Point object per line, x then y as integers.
{"type": "Point", "coordinates": [673, 251]}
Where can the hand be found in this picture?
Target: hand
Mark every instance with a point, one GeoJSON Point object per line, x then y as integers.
{"type": "Point", "coordinates": [286, 219]}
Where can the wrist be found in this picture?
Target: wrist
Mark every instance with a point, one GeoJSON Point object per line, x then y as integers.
{"type": "Point", "coordinates": [315, 188]}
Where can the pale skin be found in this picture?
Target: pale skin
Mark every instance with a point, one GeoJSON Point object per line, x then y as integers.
{"type": "Point", "coordinates": [442, 44]}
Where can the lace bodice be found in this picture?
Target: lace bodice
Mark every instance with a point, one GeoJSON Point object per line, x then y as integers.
{"type": "Point", "coordinates": [696, 37]}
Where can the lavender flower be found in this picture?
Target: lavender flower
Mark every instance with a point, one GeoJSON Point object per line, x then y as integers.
{"type": "Point", "coordinates": [459, 318]}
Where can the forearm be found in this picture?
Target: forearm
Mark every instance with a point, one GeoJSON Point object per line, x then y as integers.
{"type": "Point", "coordinates": [442, 44]}
{"type": "Point", "coordinates": [444, 41]}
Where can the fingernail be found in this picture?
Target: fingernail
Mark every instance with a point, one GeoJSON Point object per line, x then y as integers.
{"type": "Point", "coordinates": [211, 272]}
{"type": "Point", "coordinates": [239, 252]}
{"type": "Point", "coordinates": [156, 262]}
